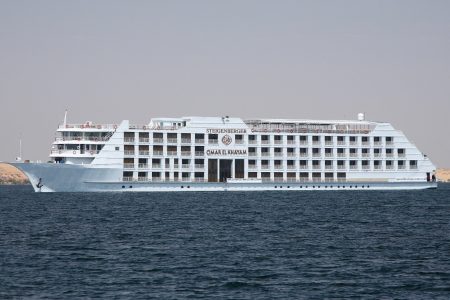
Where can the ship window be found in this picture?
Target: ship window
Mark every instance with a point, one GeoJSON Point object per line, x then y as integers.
{"type": "Point", "coordinates": [117, 148]}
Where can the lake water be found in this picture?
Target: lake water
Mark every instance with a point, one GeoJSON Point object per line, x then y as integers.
{"type": "Point", "coordinates": [265, 245]}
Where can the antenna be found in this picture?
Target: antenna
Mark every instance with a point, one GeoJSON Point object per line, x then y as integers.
{"type": "Point", "coordinates": [19, 158]}
{"type": "Point", "coordinates": [65, 118]}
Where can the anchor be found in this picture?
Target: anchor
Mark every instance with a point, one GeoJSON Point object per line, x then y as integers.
{"type": "Point", "coordinates": [39, 184]}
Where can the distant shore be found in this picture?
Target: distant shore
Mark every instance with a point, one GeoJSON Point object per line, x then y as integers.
{"type": "Point", "coordinates": [12, 175]}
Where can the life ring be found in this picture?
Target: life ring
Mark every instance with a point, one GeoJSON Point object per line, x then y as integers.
{"type": "Point", "coordinates": [278, 130]}
{"type": "Point", "coordinates": [78, 147]}
{"type": "Point", "coordinates": [291, 131]}
{"type": "Point", "coordinates": [95, 139]}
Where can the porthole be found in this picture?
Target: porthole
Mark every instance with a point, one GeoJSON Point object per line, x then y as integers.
{"type": "Point", "coordinates": [368, 186]}
{"type": "Point", "coordinates": [131, 186]}
{"type": "Point", "coordinates": [182, 186]}
{"type": "Point", "coordinates": [123, 186]}
{"type": "Point", "coordinates": [288, 187]}
{"type": "Point", "coordinates": [188, 186]}
{"type": "Point", "coordinates": [275, 186]}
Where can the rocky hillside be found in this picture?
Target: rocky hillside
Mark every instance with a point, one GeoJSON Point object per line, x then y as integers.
{"type": "Point", "coordinates": [11, 175]}
{"type": "Point", "coordinates": [443, 174]}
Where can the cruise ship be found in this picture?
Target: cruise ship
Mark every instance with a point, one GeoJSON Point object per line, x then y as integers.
{"type": "Point", "coordinates": [231, 154]}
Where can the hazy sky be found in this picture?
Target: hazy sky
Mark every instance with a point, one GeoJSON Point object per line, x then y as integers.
{"type": "Point", "coordinates": [111, 60]}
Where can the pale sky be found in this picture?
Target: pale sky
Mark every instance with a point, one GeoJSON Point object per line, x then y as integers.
{"type": "Point", "coordinates": [107, 61]}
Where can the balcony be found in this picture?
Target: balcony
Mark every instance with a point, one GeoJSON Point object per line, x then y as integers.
{"type": "Point", "coordinates": [291, 167]}
{"type": "Point", "coordinates": [328, 154]}
{"type": "Point", "coordinates": [185, 141]}
{"type": "Point", "coordinates": [341, 167]}
{"type": "Point", "coordinates": [278, 142]}
{"type": "Point", "coordinates": [278, 167]}
{"type": "Point", "coordinates": [291, 142]}
{"type": "Point", "coordinates": [185, 166]}
{"type": "Point", "coordinates": [157, 153]}
{"type": "Point", "coordinates": [172, 153]}
{"type": "Point", "coordinates": [303, 167]}
{"type": "Point", "coordinates": [141, 152]}
{"type": "Point", "coordinates": [172, 141]}
{"type": "Point", "coordinates": [199, 166]}
{"type": "Point", "coordinates": [156, 166]}
{"type": "Point", "coordinates": [185, 153]}
{"type": "Point", "coordinates": [128, 140]}
{"type": "Point", "coordinates": [144, 140]}
{"type": "Point", "coordinates": [265, 154]}
{"type": "Point", "coordinates": [199, 141]}
{"type": "Point", "coordinates": [158, 140]}
{"type": "Point", "coordinates": [128, 152]}
{"type": "Point", "coordinates": [213, 142]}
{"type": "Point", "coordinates": [252, 142]}
{"type": "Point", "coordinates": [265, 142]}
{"type": "Point", "coordinates": [303, 154]}
{"type": "Point", "coordinates": [143, 166]}
{"type": "Point", "coordinates": [278, 154]}
{"type": "Point", "coordinates": [128, 166]}
{"type": "Point", "coordinates": [142, 178]}
{"type": "Point", "coordinates": [199, 153]}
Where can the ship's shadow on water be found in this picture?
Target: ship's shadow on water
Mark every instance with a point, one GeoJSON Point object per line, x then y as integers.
{"type": "Point", "coordinates": [236, 245]}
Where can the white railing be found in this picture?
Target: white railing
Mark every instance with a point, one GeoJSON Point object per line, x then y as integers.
{"type": "Point", "coordinates": [128, 152]}
{"type": "Point", "coordinates": [144, 140]}
{"type": "Point", "coordinates": [158, 140]}
{"type": "Point", "coordinates": [144, 152]}
{"type": "Point", "coordinates": [88, 126]}
{"type": "Point", "coordinates": [128, 166]}
{"type": "Point", "coordinates": [128, 140]}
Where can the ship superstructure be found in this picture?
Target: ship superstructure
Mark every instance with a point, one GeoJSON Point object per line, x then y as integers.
{"type": "Point", "coordinates": [228, 153]}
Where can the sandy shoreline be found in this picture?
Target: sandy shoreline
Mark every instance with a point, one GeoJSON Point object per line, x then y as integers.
{"type": "Point", "coordinates": [12, 175]}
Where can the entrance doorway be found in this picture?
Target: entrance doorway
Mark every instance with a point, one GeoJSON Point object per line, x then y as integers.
{"type": "Point", "coordinates": [225, 169]}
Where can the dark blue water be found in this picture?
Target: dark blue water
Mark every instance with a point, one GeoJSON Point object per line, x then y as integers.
{"type": "Point", "coordinates": [225, 245]}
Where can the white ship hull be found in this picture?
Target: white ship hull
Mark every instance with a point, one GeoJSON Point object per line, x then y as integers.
{"type": "Point", "coordinates": [49, 177]}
